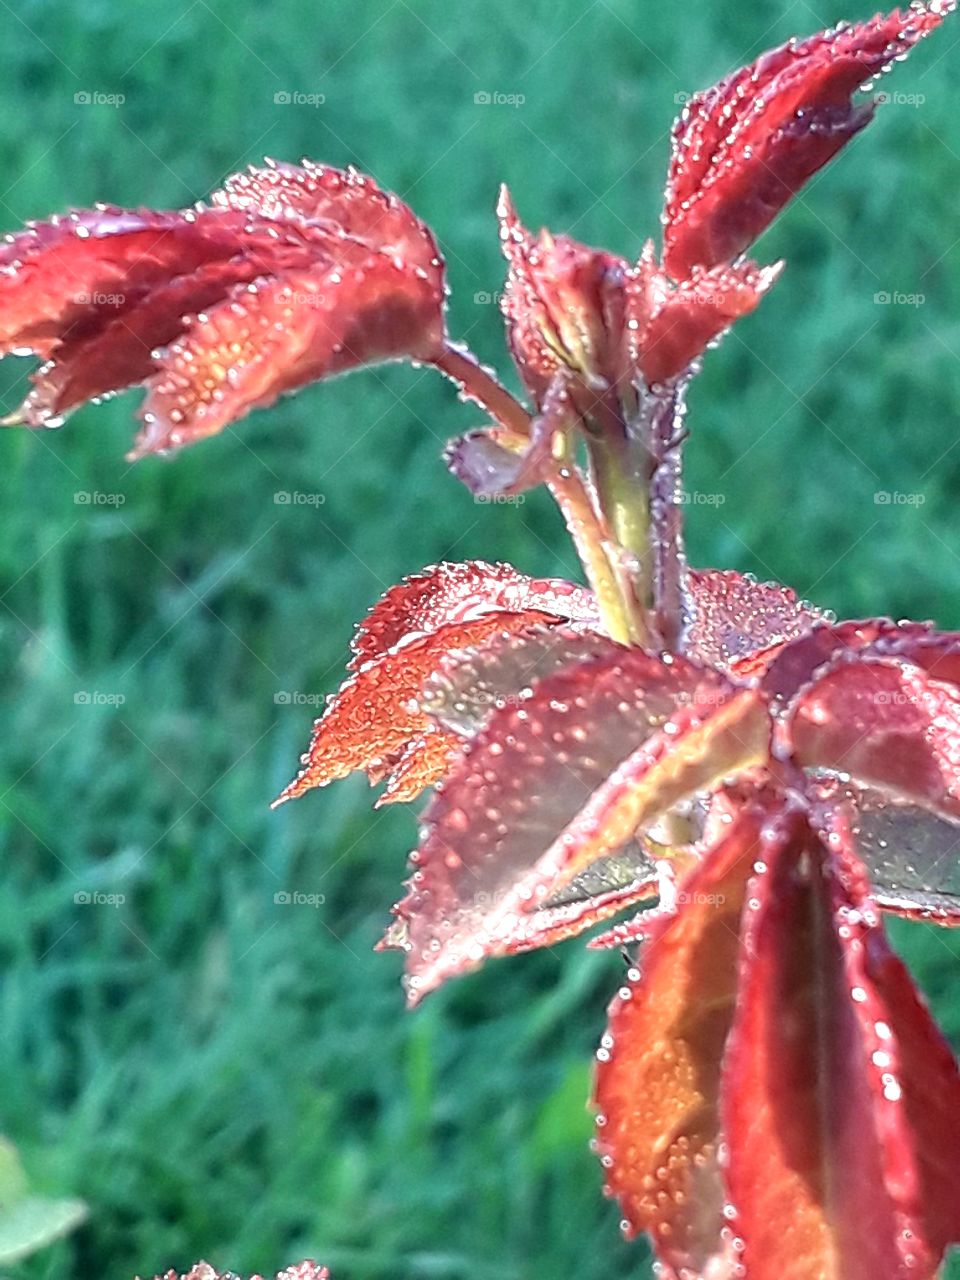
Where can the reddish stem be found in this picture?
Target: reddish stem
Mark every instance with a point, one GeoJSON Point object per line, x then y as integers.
{"type": "Point", "coordinates": [480, 384]}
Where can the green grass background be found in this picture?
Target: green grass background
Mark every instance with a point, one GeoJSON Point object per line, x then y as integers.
{"type": "Point", "coordinates": [222, 1077]}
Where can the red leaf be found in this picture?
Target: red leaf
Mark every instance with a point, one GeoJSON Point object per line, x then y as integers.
{"type": "Point", "coordinates": [658, 1079]}
{"type": "Point", "coordinates": [119, 352]}
{"type": "Point", "coordinates": [832, 1170]}
{"type": "Point", "coordinates": [743, 148]}
{"type": "Point", "coordinates": [291, 275]}
{"type": "Point", "coordinates": [885, 724]}
{"type": "Point", "coordinates": [374, 719]}
{"type": "Point", "coordinates": [276, 335]}
{"type": "Point", "coordinates": [564, 306]}
{"type": "Point", "coordinates": [446, 593]}
{"type": "Point", "coordinates": [328, 201]}
{"type": "Point", "coordinates": [787, 670]}
{"type": "Point", "coordinates": [805, 1168]}
{"type": "Point", "coordinates": [914, 1076]}
{"type": "Point", "coordinates": [78, 271]}
{"type": "Point", "coordinates": [556, 781]}
{"type": "Point", "coordinates": [693, 315]}
{"type": "Point", "coordinates": [739, 623]}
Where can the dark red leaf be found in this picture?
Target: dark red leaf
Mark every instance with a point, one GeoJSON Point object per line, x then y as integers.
{"type": "Point", "coordinates": [787, 669]}
{"type": "Point", "coordinates": [78, 271]}
{"type": "Point", "coordinates": [743, 148]}
{"type": "Point", "coordinates": [914, 1076]}
{"type": "Point", "coordinates": [834, 1168]}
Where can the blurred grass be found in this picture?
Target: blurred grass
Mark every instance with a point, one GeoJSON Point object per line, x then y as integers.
{"type": "Point", "coordinates": [220, 1076]}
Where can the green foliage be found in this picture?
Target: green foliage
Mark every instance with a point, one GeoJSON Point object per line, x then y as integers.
{"type": "Point", "coordinates": [218, 1074]}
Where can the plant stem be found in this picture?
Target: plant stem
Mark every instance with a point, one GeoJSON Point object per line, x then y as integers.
{"type": "Point", "coordinates": [598, 554]}
{"type": "Point", "coordinates": [480, 384]}
{"type": "Point", "coordinates": [662, 426]}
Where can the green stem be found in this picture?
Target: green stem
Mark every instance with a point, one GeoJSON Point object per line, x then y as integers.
{"type": "Point", "coordinates": [597, 553]}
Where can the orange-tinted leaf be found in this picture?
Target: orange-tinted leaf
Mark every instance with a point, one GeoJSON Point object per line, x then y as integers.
{"type": "Point", "coordinates": [556, 781]}
{"type": "Point", "coordinates": [886, 724]}
{"type": "Point", "coordinates": [422, 763]}
{"type": "Point", "coordinates": [743, 148]}
{"type": "Point", "coordinates": [658, 1078]}
{"type": "Point", "coordinates": [374, 723]}
{"type": "Point", "coordinates": [374, 716]}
